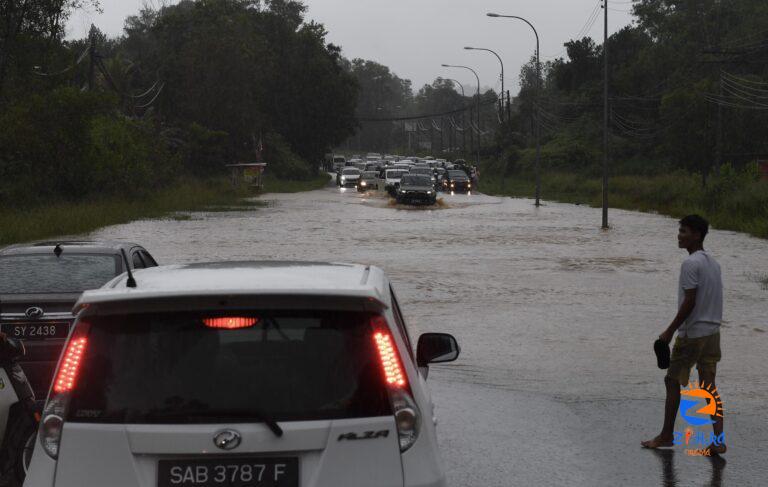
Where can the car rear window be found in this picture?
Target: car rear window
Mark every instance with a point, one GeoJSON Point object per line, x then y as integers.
{"type": "Point", "coordinates": [69, 273]}
{"type": "Point", "coordinates": [416, 181]}
{"type": "Point", "coordinates": [171, 368]}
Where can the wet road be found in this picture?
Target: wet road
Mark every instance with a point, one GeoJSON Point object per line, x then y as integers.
{"type": "Point", "coordinates": [557, 383]}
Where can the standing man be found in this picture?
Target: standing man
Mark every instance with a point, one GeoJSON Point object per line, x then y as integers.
{"type": "Point", "coordinates": [700, 312]}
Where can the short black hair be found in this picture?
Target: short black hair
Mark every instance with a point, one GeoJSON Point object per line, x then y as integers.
{"type": "Point", "coordinates": [696, 223]}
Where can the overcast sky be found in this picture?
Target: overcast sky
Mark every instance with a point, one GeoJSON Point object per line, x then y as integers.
{"type": "Point", "coordinates": [414, 37]}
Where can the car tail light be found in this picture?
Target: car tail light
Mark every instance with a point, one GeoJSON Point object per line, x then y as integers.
{"type": "Point", "coordinates": [406, 412]}
{"type": "Point", "coordinates": [55, 409]}
{"type": "Point", "coordinates": [230, 322]}
{"type": "Point", "coordinates": [70, 364]}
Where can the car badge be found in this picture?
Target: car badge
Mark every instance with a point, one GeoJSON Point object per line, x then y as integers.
{"type": "Point", "coordinates": [227, 439]}
{"type": "Point", "coordinates": [34, 312]}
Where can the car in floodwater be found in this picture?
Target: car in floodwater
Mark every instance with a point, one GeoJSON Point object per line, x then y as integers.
{"type": "Point", "coordinates": [425, 171]}
{"type": "Point", "coordinates": [348, 177]}
{"type": "Point", "coordinates": [368, 180]}
{"type": "Point", "coordinates": [279, 374]}
{"type": "Point", "coordinates": [39, 284]}
{"type": "Point", "coordinates": [416, 189]}
{"type": "Point", "coordinates": [456, 181]}
{"type": "Point", "coordinates": [392, 179]}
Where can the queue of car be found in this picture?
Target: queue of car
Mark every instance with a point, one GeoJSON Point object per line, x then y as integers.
{"type": "Point", "coordinates": [376, 172]}
{"type": "Point", "coordinates": [258, 374]}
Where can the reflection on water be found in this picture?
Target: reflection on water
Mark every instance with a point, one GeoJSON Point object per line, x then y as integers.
{"type": "Point", "coordinates": [668, 473]}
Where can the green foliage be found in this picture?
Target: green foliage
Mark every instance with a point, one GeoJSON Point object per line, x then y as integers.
{"type": "Point", "coordinates": [283, 163]}
{"type": "Point", "coordinates": [22, 225]}
{"type": "Point", "coordinates": [69, 145]}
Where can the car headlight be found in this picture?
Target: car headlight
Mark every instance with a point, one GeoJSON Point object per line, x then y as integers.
{"type": "Point", "coordinates": [429, 192]}
{"type": "Point", "coordinates": [363, 184]}
{"type": "Point", "coordinates": [402, 191]}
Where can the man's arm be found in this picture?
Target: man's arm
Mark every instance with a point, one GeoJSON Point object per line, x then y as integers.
{"type": "Point", "coordinates": [682, 314]}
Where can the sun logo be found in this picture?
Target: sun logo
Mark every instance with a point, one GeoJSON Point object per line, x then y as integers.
{"type": "Point", "coordinates": [692, 395]}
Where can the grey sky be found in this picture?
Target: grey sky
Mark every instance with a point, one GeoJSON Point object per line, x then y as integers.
{"type": "Point", "coordinates": [414, 37]}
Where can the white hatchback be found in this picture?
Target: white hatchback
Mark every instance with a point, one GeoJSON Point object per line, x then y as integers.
{"type": "Point", "coordinates": [257, 374]}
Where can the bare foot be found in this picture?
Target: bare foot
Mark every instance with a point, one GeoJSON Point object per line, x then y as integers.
{"type": "Point", "coordinates": [658, 442]}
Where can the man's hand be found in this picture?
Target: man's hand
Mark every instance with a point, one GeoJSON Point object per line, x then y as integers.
{"type": "Point", "coordinates": [667, 335]}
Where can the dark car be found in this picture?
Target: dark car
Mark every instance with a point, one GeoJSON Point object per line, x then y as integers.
{"type": "Point", "coordinates": [456, 182]}
{"type": "Point", "coordinates": [39, 284]}
{"type": "Point", "coordinates": [416, 189]}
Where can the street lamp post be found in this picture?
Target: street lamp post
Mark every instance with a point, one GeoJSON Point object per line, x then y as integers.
{"type": "Point", "coordinates": [538, 95]}
{"type": "Point", "coordinates": [477, 163]}
{"type": "Point", "coordinates": [502, 72]}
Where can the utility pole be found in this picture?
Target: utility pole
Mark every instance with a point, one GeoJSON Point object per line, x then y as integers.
{"type": "Point", "coordinates": [605, 116]}
{"type": "Point", "coordinates": [92, 57]}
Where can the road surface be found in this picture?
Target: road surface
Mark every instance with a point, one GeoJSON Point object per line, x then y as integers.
{"type": "Point", "coordinates": [557, 383]}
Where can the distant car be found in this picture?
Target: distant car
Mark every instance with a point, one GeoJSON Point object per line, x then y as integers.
{"type": "Point", "coordinates": [425, 171]}
{"type": "Point", "coordinates": [39, 284]}
{"type": "Point", "coordinates": [348, 177]}
{"type": "Point", "coordinates": [457, 182]}
{"type": "Point", "coordinates": [368, 180]}
{"type": "Point", "coordinates": [392, 180]}
{"type": "Point", "coordinates": [416, 190]}
{"type": "Point", "coordinates": [243, 374]}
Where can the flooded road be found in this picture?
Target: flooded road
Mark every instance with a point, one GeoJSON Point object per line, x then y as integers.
{"type": "Point", "coordinates": [557, 383]}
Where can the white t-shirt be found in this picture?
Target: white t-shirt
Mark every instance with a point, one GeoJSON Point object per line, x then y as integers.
{"type": "Point", "coordinates": [700, 271]}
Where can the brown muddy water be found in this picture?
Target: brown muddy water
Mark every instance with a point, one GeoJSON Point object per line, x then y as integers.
{"type": "Point", "coordinates": [557, 383]}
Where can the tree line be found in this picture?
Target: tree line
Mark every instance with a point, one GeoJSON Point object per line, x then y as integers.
{"type": "Point", "coordinates": [185, 90]}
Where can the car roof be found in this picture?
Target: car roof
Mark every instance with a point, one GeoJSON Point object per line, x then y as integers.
{"type": "Point", "coordinates": [79, 246]}
{"type": "Point", "coordinates": [246, 278]}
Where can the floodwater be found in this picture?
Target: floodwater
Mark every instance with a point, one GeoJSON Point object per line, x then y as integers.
{"type": "Point", "coordinates": [557, 383]}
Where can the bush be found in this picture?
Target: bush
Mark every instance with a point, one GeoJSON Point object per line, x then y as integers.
{"type": "Point", "coordinates": [282, 162]}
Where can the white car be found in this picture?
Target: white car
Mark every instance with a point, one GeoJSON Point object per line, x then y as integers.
{"type": "Point", "coordinates": [349, 177]}
{"type": "Point", "coordinates": [392, 179]}
{"type": "Point", "coordinates": [257, 374]}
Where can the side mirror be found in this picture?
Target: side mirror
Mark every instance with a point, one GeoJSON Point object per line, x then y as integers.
{"type": "Point", "coordinates": [436, 348]}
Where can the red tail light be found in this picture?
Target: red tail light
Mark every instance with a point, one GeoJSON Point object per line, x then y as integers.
{"type": "Point", "coordinates": [390, 361]}
{"type": "Point", "coordinates": [70, 364]}
{"type": "Point", "coordinates": [230, 322]}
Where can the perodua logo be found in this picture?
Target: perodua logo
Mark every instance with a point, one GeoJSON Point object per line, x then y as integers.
{"type": "Point", "coordinates": [227, 439]}
{"type": "Point", "coordinates": [34, 312]}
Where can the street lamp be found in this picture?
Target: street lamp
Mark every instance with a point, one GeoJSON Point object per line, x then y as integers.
{"type": "Point", "coordinates": [502, 72]}
{"type": "Point", "coordinates": [538, 95]}
{"type": "Point", "coordinates": [478, 105]}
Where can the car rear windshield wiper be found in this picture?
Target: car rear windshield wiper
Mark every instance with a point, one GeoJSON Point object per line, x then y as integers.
{"type": "Point", "coordinates": [222, 413]}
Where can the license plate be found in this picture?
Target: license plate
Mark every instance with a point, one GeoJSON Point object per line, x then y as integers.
{"type": "Point", "coordinates": [235, 472]}
{"type": "Point", "coordinates": [36, 331]}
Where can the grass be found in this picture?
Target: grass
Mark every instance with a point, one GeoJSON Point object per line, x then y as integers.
{"type": "Point", "coordinates": [744, 210]}
{"type": "Point", "coordinates": [74, 218]}
{"type": "Point", "coordinates": [217, 195]}
{"type": "Point", "coordinates": [274, 185]}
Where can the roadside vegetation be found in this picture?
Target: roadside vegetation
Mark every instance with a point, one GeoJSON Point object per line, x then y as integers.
{"type": "Point", "coordinates": [66, 218]}
{"type": "Point", "coordinates": [732, 201]}
{"type": "Point", "coordinates": [94, 131]}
